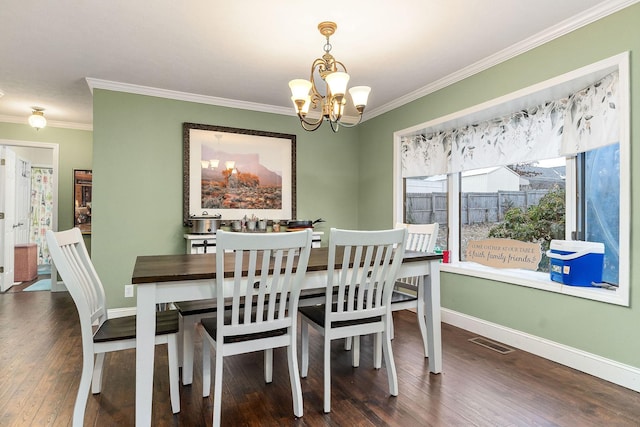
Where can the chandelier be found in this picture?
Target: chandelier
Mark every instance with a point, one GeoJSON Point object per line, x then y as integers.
{"type": "Point", "coordinates": [331, 105]}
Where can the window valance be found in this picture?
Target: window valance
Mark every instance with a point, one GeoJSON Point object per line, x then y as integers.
{"type": "Point", "coordinates": [584, 120]}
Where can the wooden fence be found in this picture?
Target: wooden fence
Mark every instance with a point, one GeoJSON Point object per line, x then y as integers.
{"type": "Point", "coordinates": [476, 208]}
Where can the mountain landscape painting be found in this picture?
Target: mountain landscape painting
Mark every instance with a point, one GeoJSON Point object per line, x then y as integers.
{"type": "Point", "coordinates": [238, 181]}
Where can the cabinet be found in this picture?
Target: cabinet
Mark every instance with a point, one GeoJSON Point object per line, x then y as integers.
{"type": "Point", "coordinates": [25, 262]}
{"type": "Point", "coordinates": [206, 243]}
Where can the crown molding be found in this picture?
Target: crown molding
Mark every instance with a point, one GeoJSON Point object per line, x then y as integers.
{"type": "Point", "coordinates": [185, 96]}
{"type": "Point", "coordinates": [50, 123]}
{"type": "Point", "coordinates": [587, 17]}
{"type": "Point", "coordinates": [578, 21]}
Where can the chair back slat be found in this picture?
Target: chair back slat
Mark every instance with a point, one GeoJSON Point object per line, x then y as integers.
{"type": "Point", "coordinates": [84, 280]}
{"type": "Point", "coordinates": [421, 238]}
{"type": "Point", "coordinates": [72, 261]}
{"type": "Point", "coordinates": [266, 278]}
{"type": "Point", "coordinates": [365, 274]}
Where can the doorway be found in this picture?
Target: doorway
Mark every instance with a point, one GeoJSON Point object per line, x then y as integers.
{"type": "Point", "coordinates": [41, 155]}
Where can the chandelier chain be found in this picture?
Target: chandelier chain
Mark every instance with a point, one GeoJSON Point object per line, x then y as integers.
{"type": "Point", "coordinates": [327, 46]}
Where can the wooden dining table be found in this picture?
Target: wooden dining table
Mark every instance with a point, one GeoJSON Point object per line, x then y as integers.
{"type": "Point", "coordinates": [169, 278]}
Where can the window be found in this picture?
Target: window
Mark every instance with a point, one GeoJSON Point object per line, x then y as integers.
{"type": "Point", "coordinates": [599, 205]}
{"type": "Point", "coordinates": [524, 202]}
{"type": "Point", "coordinates": [471, 160]}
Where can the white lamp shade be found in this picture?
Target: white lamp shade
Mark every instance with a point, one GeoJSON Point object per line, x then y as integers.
{"type": "Point", "coordinates": [300, 88]}
{"type": "Point", "coordinates": [230, 164]}
{"type": "Point", "coordinates": [204, 164]}
{"type": "Point", "coordinates": [360, 94]}
{"type": "Point", "coordinates": [37, 120]}
{"type": "Point", "coordinates": [214, 163]}
{"type": "Point", "coordinates": [337, 82]}
{"type": "Point", "coordinates": [305, 107]}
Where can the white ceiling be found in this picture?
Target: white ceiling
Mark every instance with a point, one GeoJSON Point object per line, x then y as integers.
{"type": "Point", "coordinates": [248, 50]}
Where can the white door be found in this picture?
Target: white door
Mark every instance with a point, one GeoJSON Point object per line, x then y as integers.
{"type": "Point", "coordinates": [22, 200]}
{"type": "Point", "coordinates": [7, 214]}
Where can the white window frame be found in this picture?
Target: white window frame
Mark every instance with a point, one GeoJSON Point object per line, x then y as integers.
{"type": "Point", "coordinates": [550, 89]}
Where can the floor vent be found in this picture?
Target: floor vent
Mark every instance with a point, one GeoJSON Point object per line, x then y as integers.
{"type": "Point", "coordinates": [492, 345]}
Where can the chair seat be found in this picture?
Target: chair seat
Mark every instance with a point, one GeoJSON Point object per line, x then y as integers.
{"type": "Point", "coordinates": [210, 325]}
{"type": "Point", "coordinates": [121, 328]}
{"type": "Point", "coordinates": [398, 297]}
{"type": "Point", "coordinates": [316, 314]}
{"type": "Point", "coordinates": [312, 293]}
{"type": "Point", "coordinates": [190, 308]}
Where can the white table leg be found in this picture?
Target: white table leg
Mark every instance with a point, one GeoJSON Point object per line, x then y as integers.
{"type": "Point", "coordinates": [432, 302]}
{"type": "Point", "coordinates": [145, 351]}
{"type": "Point", "coordinates": [188, 338]}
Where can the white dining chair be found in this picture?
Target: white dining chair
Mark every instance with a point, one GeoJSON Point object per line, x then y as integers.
{"type": "Point", "coordinates": [408, 292]}
{"type": "Point", "coordinates": [361, 304]}
{"type": "Point", "coordinates": [190, 314]}
{"type": "Point", "coordinates": [262, 281]}
{"type": "Point", "coordinates": [101, 334]}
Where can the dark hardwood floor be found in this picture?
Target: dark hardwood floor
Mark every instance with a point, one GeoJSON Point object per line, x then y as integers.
{"type": "Point", "coordinates": [21, 286]}
{"type": "Point", "coordinates": [41, 355]}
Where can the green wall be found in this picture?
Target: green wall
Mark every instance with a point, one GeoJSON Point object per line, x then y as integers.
{"type": "Point", "coordinates": [137, 190]}
{"type": "Point", "coordinates": [603, 329]}
{"type": "Point", "coordinates": [76, 152]}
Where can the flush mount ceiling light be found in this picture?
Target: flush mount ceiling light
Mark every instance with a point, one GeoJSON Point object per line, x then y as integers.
{"type": "Point", "coordinates": [37, 119]}
{"type": "Point", "coordinates": [331, 105]}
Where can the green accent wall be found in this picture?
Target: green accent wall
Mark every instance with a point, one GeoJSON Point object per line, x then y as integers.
{"type": "Point", "coordinates": [599, 328]}
{"type": "Point", "coordinates": [137, 177]}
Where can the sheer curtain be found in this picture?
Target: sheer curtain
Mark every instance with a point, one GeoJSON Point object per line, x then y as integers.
{"type": "Point", "coordinates": [41, 210]}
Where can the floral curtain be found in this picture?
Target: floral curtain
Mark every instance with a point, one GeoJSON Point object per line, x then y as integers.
{"type": "Point", "coordinates": [41, 210]}
{"type": "Point", "coordinates": [582, 121]}
{"type": "Point", "coordinates": [592, 121]}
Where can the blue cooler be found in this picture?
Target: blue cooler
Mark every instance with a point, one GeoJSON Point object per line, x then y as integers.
{"type": "Point", "coordinates": [575, 262]}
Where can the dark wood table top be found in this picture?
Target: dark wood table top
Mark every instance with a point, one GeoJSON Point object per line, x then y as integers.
{"type": "Point", "coordinates": [172, 268]}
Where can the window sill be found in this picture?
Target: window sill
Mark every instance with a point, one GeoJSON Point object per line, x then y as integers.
{"type": "Point", "coordinates": [534, 279]}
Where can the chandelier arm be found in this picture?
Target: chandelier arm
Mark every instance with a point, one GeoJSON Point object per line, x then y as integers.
{"type": "Point", "coordinates": [351, 125]}
{"type": "Point", "coordinates": [321, 65]}
{"type": "Point", "coordinates": [305, 121]}
{"type": "Point", "coordinates": [342, 65]}
{"type": "Point", "coordinates": [340, 100]}
{"type": "Point", "coordinates": [308, 126]}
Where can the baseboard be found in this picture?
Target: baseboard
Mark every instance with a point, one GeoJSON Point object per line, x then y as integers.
{"type": "Point", "coordinates": [607, 369]}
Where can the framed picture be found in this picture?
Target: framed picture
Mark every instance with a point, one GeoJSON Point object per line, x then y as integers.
{"type": "Point", "coordinates": [235, 172]}
{"type": "Point", "coordinates": [82, 189]}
